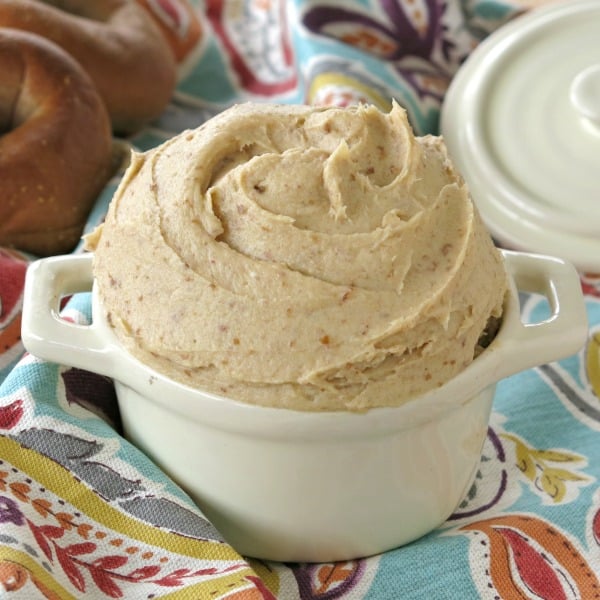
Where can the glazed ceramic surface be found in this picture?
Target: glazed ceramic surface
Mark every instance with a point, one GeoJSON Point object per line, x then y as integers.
{"type": "Point", "coordinates": [307, 486]}
{"type": "Point", "coordinates": [521, 121]}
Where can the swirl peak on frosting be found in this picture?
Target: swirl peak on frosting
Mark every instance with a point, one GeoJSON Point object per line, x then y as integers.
{"type": "Point", "coordinates": [299, 257]}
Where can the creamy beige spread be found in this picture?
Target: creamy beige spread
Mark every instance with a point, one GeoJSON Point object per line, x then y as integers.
{"type": "Point", "coordinates": [309, 258]}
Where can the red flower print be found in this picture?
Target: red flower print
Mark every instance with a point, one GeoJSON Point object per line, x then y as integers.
{"type": "Point", "coordinates": [11, 414]}
{"type": "Point", "coordinates": [528, 557]}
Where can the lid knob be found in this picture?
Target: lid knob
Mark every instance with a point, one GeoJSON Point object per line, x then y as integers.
{"type": "Point", "coordinates": [585, 94]}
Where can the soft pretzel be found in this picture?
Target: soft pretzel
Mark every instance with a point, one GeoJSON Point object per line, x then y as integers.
{"type": "Point", "coordinates": [55, 145]}
{"type": "Point", "coordinates": [180, 24]}
{"type": "Point", "coordinates": [116, 41]}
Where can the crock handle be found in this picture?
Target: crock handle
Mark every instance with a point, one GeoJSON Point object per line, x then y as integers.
{"type": "Point", "coordinates": [564, 332]}
{"type": "Point", "coordinates": [44, 333]}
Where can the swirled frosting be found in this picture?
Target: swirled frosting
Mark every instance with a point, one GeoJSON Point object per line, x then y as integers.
{"type": "Point", "coordinates": [308, 258]}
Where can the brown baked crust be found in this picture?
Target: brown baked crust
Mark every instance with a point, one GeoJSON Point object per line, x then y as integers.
{"type": "Point", "coordinates": [116, 41]}
{"type": "Point", "coordinates": [55, 145]}
{"type": "Point", "coordinates": [183, 31]}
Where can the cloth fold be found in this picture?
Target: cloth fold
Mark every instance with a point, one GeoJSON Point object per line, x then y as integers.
{"type": "Point", "coordinates": [84, 514]}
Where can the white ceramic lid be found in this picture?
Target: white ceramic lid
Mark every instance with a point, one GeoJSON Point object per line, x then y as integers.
{"type": "Point", "coordinates": [521, 120]}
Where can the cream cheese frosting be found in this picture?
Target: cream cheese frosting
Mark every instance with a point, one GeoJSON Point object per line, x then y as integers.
{"type": "Point", "coordinates": [299, 257]}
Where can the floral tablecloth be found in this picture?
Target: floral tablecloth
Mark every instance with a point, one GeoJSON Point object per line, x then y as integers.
{"type": "Point", "coordinates": [84, 514]}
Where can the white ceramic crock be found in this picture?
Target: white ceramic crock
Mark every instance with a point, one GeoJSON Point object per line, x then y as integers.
{"type": "Point", "coordinates": [521, 121]}
{"type": "Point", "coordinates": [299, 486]}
